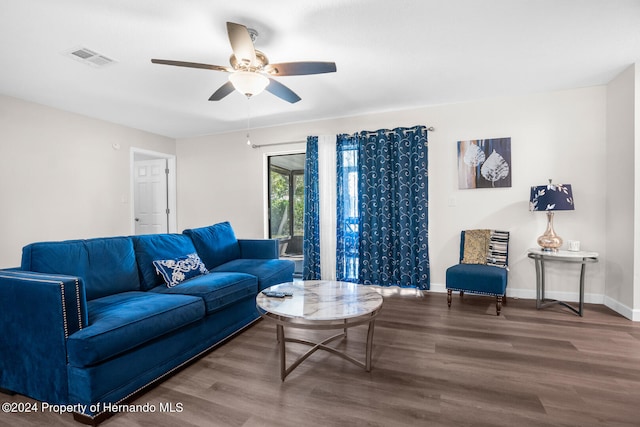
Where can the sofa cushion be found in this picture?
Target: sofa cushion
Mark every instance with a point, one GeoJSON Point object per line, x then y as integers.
{"type": "Point", "coordinates": [118, 323]}
{"type": "Point", "coordinates": [268, 271]}
{"type": "Point", "coordinates": [215, 244]}
{"type": "Point", "coordinates": [106, 265]}
{"type": "Point", "coordinates": [152, 247]}
{"type": "Point", "coordinates": [177, 270]}
{"type": "Point", "coordinates": [218, 290]}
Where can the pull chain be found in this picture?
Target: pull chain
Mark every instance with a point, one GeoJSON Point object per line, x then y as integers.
{"type": "Point", "coordinates": [248, 120]}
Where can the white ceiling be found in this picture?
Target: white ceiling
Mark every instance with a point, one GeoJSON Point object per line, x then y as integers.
{"type": "Point", "coordinates": [390, 55]}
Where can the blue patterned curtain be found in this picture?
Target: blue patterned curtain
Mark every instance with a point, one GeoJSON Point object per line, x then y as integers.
{"type": "Point", "coordinates": [393, 208]}
{"type": "Point", "coordinates": [347, 229]}
{"type": "Point", "coordinates": [311, 242]}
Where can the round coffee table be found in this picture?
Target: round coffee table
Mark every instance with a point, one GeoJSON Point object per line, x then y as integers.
{"type": "Point", "coordinates": [320, 304]}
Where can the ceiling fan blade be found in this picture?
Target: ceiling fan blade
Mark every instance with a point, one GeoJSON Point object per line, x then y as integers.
{"type": "Point", "coordinates": [191, 65]}
{"type": "Point", "coordinates": [222, 91]}
{"type": "Point", "coordinates": [300, 68]}
{"type": "Point", "coordinates": [241, 44]}
{"type": "Point", "coordinates": [281, 91]}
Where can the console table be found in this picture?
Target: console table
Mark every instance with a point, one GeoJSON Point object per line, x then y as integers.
{"type": "Point", "coordinates": [578, 257]}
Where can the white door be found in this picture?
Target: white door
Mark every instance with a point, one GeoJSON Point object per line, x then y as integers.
{"type": "Point", "coordinates": [150, 196]}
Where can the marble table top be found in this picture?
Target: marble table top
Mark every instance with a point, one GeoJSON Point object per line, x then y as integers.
{"type": "Point", "coordinates": [321, 300]}
{"type": "Point", "coordinates": [563, 253]}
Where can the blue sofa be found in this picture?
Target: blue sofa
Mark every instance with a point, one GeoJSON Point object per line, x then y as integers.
{"type": "Point", "coordinates": [89, 322]}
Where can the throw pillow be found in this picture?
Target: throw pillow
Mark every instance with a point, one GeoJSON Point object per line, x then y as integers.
{"type": "Point", "coordinates": [150, 247]}
{"type": "Point", "coordinates": [498, 245]}
{"type": "Point", "coordinates": [176, 271]}
{"type": "Point", "coordinates": [476, 246]}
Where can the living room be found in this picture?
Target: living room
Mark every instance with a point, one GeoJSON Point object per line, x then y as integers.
{"type": "Point", "coordinates": [65, 193]}
{"type": "Point", "coordinates": [66, 175]}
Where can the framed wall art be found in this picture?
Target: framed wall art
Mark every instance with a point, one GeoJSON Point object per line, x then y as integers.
{"type": "Point", "coordinates": [484, 163]}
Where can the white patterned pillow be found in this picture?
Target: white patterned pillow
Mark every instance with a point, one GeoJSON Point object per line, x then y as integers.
{"type": "Point", "coordinates": [176, 271]}
{"type": "Point", "coordinates": [498, 249]}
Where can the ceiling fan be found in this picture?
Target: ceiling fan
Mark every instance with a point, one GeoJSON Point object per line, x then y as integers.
{"type": "Point", "coordinates": [250, 70]}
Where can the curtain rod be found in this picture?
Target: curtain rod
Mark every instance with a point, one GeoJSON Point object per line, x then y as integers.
{"type": "Point", "coordinates": [430, 129]}
{"type": "Point", "coordinates": [278, 143]}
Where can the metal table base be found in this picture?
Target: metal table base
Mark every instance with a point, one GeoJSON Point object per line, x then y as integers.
{"type": "Point", "coordinates": [540, 257]}
{"type": "Point", "coordinates": [366, 364]}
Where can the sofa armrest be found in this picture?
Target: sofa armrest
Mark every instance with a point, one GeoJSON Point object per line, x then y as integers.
{"type": "Point", "coordinates": [258, 248]}
{"type": "Point", "coordinates": [39, 311]}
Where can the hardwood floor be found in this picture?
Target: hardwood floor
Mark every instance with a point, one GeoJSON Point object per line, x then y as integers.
{"type": "Point", "coordinates": [432, 366]}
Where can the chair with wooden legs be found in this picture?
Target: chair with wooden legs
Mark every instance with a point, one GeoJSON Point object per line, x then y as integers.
{"type": "Point", "coordinates": [483, 266]}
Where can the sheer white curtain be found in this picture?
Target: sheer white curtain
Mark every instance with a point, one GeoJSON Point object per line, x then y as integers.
{"type": "Point", "coordinates": [327, 190]}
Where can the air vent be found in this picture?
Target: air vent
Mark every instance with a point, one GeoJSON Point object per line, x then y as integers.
{"type": "Point", "coordinates": [89, 57]}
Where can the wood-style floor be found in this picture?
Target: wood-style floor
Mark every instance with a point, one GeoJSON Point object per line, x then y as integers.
{"type": "Point", "coordinates": [432, 366]}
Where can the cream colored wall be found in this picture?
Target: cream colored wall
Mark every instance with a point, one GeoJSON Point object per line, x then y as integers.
{"type": "Point", "coordinates": [61, 178]}
{"type": "Point", "coordinates": [636, 229]}
{"type": "Point", "coordinates": [621, 209]}
{"type": "Point", "coordinates": [558, 135]}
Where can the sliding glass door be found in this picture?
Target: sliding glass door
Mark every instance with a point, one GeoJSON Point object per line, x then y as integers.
{"type": "Point", "coordinates": [286, 204]}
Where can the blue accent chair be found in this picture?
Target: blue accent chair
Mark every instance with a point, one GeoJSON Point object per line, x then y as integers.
{"type": "Point", "coordinates": [478, 278]}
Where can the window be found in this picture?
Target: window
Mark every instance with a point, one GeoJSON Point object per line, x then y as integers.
{"type": "Point", "coordinates": [348, 212]}
{"type": "Point", "coordinates": [298, 203]}
{"type": "Point", "coordinates": [286, 202]}
{"type": "Point", "coordinates": [280, 209]}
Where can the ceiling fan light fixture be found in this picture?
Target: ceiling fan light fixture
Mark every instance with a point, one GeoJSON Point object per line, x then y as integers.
{"type": "Point", "coordinates": [248, 83]}
{"type": "Point", "coordinates": [250, 70]}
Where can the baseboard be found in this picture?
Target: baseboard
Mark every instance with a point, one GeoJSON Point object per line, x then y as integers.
{"type": "Point", "coordinates": [614, 305]}
{"type": "Point", "coordinates": [622, 309]}
{"type": "Point", "coordinates": [561, 296]}
{"type": "Point", "coordinates": [438, 287]}
{"type": "Point", "coordinates": [531, 294]}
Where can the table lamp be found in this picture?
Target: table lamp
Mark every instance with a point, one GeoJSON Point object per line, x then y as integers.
{"type": "Point", "coordinates": [550, 198]}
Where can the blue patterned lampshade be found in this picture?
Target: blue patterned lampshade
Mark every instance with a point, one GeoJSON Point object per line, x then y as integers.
{"type": "Point", "coordinates": [549, 198]}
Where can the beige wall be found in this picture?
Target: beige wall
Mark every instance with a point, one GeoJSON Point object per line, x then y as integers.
{"type": "Point", "coordinates": [558, 135]}
{"type": "Point", "coordinates": [61, 178]}
{"type": "Point", "coordinates": [621, 190]}
{"type": "Point", "coordinates": [636, 228]}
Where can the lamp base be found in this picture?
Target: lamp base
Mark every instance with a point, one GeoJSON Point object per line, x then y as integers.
{"type": "Point", "coordinates": [550, 241]}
